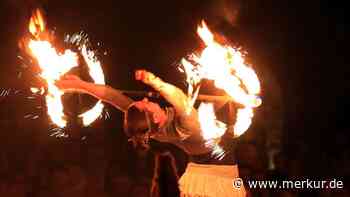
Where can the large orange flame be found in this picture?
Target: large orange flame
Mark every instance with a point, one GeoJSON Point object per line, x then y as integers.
{"type": "Point", "coordinates": [36, 23]}
{"type": "Point", "coordinates": [54, 65]}
{"type": "Point", "coordinates": [226, 67]}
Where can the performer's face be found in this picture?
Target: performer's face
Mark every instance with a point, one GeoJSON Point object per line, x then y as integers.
{"type": "Point", "coordinates": [137, 127]}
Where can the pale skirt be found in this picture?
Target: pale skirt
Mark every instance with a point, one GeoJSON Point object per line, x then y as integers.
{"type": "Point", "coordinates": [210, 181]}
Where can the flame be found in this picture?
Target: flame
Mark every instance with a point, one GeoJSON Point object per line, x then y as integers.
{"type": "Point", "coordinates": [226, 67]}
{"type": "Point", "coordinates": [96, 73]}
{"type": "Point", "coordinates": [54, 65]}
{"type": "Point", "coordinates": [211, 127]}
{"type": "Point", "coordinates": [36, 23]}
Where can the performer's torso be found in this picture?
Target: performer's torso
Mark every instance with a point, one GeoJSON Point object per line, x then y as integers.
{"type": "Point", "coordinates": [194, 146]}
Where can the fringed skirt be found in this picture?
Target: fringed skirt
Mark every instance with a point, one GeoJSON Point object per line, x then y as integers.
{"type": "Point", "coordinates": [210, 181]}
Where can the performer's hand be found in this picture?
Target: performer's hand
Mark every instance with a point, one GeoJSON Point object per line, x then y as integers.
{"type": "Point", "coordinates": [144, 76]}
{"type": "Point", "coordinates": [70, 83]}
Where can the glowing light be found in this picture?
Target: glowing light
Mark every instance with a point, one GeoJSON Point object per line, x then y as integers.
{"type": "Point", "coordinates": [35, 90]}
{"type": "Point", "coordinates": [36, 24]}
{"type": "Point", "coordinates": [54, 65]}
{"type": "Point", "coordinates": [210, 126]}
{"type": "Point", "coordinates": [226, 67]}
{"type": "Point", "coordinates": [96, 74]}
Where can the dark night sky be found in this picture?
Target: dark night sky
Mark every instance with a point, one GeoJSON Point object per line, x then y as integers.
{"type": "Point", "coordinates": [303, 42]}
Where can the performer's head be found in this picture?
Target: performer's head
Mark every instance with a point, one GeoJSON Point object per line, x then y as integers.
{"type": "Point", "coordinates": [137, 127]}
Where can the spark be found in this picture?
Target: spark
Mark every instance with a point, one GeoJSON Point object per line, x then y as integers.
{"type": "Point", "coordinates": [58, 133]}
{"type": "Point", "coordinates": [5, 92]}
{"type": "Point", "coordinates": [28, 116]}
{"type": "Point", "coordinates": [35, 117]}
{"type": "Point", "coordinates": [217, 151]}
{"type": "Point", "coordinates": [107, 115]}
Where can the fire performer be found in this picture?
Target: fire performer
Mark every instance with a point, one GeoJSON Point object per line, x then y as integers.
{"type": "Point", "coordinates": [146, 121]}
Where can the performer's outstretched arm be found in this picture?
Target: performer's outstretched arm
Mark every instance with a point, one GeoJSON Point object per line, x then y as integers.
{"type": "Point", "coordinates": [171, 93]}
{"type": "Point", "coordinates": [105, 93]}
{"type": "Point", "coordinates": [176, 97]}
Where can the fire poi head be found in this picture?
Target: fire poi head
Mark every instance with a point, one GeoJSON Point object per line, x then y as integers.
{"type": "Point", "coordinates": [225, 66]}
{"type": "Point", "coordinates": [53, 65]}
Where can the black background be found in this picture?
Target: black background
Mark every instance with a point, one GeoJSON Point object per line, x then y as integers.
{"type": "Point", "coordinates": [303, 42]}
